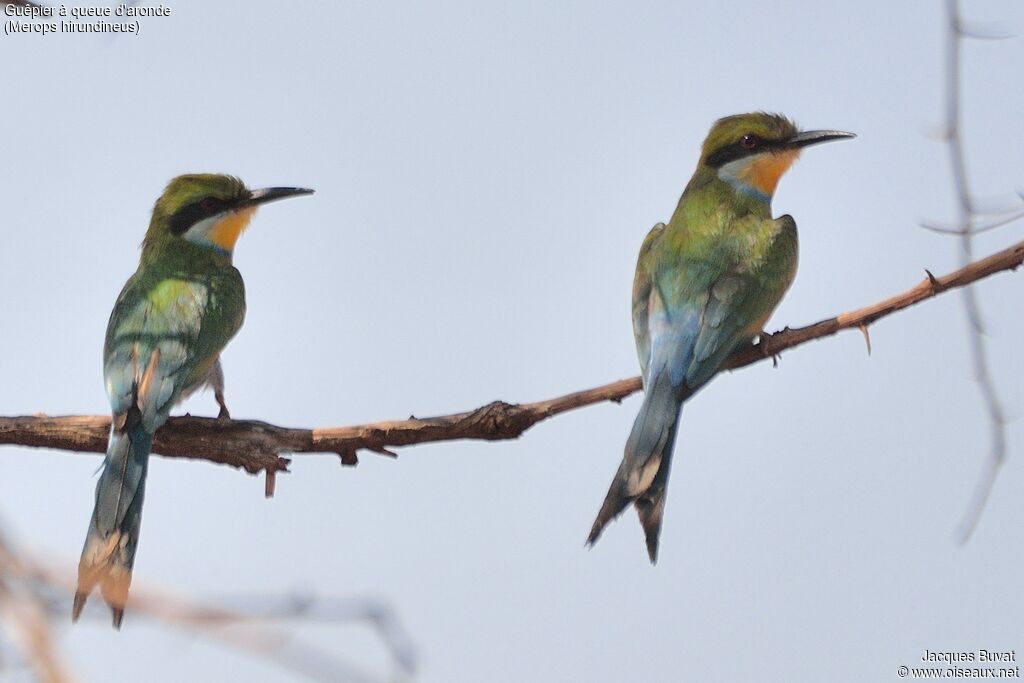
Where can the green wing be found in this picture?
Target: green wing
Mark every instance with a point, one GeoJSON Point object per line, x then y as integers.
{"type": "Point", "coordinates": [164, 335]}
{"type": "Point", "coordinates": [642, 283]}
{"type": "Point", "coordinates": [739, 303]}
{"type": "Point", "coordinates": [691, 310]}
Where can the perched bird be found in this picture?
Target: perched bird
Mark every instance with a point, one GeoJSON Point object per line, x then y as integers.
{"type": "Point", "coordinates": [168, 327]}
{"type": "Point", "coordinates": [705, 285]}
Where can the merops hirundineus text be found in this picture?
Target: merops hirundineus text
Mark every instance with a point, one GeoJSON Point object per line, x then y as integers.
{"type": "Point", "coordinates": [705, 285]}
{"type": "Point", "coordinates": [168, 327]}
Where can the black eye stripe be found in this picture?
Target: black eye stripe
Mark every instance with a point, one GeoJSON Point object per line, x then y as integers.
{"type": "Point", "coordinates": [726, 154]}
{"type": "Point", "coordinates": [190, 214]}
{"type": "Point", "coordinates": [737, 150]}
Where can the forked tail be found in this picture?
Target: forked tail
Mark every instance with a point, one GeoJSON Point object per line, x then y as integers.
{"type": "Point", "coordinates": [109, 551]}
{"type": "Point", "coordinates": [643, 473]}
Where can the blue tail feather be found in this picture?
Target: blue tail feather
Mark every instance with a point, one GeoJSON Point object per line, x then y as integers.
{"type": "Point", "coordinates": [643, 473]}
{"type": "Point", "coordinates": [109, 551]}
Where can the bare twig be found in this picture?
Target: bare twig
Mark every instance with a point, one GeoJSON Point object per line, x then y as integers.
{"type": "Point", "coordinates": [258, 625]}
{"type": "Point", "coordinates": [24, 619]}
{"type": "Point", "coordinates": [969, 225]}
{"type": "Point", "coordinates": [256, 446]}
{"type": "Point", "coordinates": [977, 228]}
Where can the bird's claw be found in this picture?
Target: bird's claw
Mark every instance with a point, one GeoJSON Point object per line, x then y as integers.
{"type": "Point", "coordinates": [223, 414]}
{"type": "Point", "coordinates": [764, 340]}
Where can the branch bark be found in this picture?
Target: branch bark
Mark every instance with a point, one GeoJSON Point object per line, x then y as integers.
{"type": "Point", "coordinates": [257, 446]}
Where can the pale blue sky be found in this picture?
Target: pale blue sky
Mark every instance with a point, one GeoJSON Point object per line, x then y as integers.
{"type": "Point", "coordinates": [485, 174]}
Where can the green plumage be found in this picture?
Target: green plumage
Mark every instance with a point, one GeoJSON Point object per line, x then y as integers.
{"type": "Point", "coordinates": [166, 331]}
{"type": "Point", "coordinates": [187, 296]}
{"type": "Point", "coordinates": [724, 257]}
{"type": "Point", "coordinates": [705, 284]}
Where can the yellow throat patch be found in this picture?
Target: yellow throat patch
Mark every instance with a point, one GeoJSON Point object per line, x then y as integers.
{"type": "Point", "coordinates": [226, 231]}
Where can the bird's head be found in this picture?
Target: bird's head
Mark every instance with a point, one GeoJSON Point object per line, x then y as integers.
{"type": "Point", "coordinates": [752, 151]}
{"type": "Point", "coordinates": [209, 210]}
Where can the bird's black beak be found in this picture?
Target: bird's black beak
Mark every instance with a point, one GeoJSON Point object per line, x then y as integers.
{"type": "Point", "coordinates": [813, 137]}
{"type": "Point", "coordinates": [271, 194]}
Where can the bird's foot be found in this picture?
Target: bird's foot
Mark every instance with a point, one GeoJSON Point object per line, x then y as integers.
{"type": "Point", "coordinates": [224, 414]}
{"type": "Point", "coordinates": [764, 343]}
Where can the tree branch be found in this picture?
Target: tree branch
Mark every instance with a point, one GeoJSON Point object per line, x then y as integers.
{"type": "Point", "coordinates": [257, 446]}
{"type": "Point", "coordinates": [35, 594]}
{"type": "Point", "coordinates": [969, 226]}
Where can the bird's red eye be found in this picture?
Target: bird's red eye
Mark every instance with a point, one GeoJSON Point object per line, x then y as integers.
{"type": "Point", "coordinates": [209, 204]}
{"type": "Point", "coordinates": [748, 142]}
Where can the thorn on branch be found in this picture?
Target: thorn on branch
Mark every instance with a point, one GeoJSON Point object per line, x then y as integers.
{"type": "Point", "coordinates": [937, 286]}
{"type": "Point", "coordinates": [255, 446]}
{"type": "Point", "coordinates": [269, 483]}
{"type": "Point", "coordinates": [383, 451]}
{"type": "Point", "coordinates": [867, 336]}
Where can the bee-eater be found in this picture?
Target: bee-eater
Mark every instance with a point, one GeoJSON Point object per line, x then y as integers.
{"type": "Point", "coordinates": [168, 327]}
{"type": "Point", "coordinates": [705, 285]}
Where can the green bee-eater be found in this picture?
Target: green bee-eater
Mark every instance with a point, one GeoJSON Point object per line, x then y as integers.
{"type": "Point", "coordinates": [705, 284]}
{"type": "Point", "coordinates": [168, 327]}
